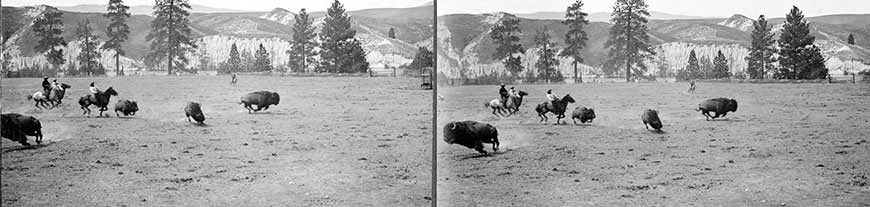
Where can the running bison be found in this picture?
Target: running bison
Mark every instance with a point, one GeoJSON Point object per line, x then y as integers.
{"type": "Point", "coordinates": [194, 110]}
{"type": "Point", "coordinates": [583, 113]}
{"type": "Point", "coordinates": [471, 134]}
{"type": "Point", "coordinates": [126, 107]}
{"type": "Point", "coordinates": [17, 127]}
{"type": "Point", "coordinates": [720, 106]}
{"type": "Point", "coordinates": [260, 98]}
{"type": "Point", "coordinates": [651, 119]}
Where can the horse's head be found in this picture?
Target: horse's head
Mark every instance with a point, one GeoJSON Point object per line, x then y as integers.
{"type": "Point", "coordinates": [64, 86]}
{"type": "Point", "coordinates": [522, 93]}
{"type": "Point", "coordinates": [568, 98]}
{"type": "Point", "coordinates": [111, 91]}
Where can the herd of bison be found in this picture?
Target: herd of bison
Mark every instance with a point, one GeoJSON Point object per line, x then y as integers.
{"type": "Point", "coordinates": [17, 127]}
{"type": "Point", "coordinates": [473, 134]}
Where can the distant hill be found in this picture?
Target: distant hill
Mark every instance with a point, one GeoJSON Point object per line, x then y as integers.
{"type": "Point", "coordinates": [464, 42]}
{"type": "Point", "coordinates": [601, 16]}
{"type": "Point", "coordinates": [139, 9]}
{"type": "Point", "coordinates": [216, 30]}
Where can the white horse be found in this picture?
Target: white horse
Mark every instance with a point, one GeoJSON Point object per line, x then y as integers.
{"type": "Point", "coordinates": [497, 106]}
{"type": "Point", "coordinates": [40, 98]}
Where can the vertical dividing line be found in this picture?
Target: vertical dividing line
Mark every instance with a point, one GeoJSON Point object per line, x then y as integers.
{"type": "Point", "coordinates": [434, 78]}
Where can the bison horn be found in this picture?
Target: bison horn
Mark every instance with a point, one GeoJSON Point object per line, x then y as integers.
{"type": "Point", "coordinates": [454, 126]}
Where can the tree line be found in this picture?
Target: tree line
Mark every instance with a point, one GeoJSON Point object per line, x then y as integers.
{"type": "Point", "coordinates": [171, 39]}
{"type": "Point", "coordinates": [792, 56]}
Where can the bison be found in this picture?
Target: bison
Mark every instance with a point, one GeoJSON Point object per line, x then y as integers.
{"type": "Point", "coordinates": [583, 113]}
{"type": "Point", "coordinates": [260, 98]}
{"type": "Point", "coordinates": [471, 134]}
{"type": "Point", "coordinates": [194, 110]}
{"type": "Point", "coordinates": [126, 107]}
{"type": "Point", "coordinates": [651, 119]}
{"type": "Point", "coordinates": [721, 106]}
{"type": "Point", "coordinates": [17, 127]}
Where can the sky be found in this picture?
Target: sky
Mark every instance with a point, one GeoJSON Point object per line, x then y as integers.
{"type": "Point", "coordinates": [245, 5]}
{"type": "Point", "coordinates": [705, 8]}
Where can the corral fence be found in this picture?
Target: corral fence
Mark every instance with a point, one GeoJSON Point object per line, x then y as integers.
{"type": "Point", "coordinates": [394, 72]}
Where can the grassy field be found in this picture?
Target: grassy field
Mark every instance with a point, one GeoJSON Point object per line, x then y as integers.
{"type": "Point", "coordinates": [787, 145]}
{"type": "Point", "coordinates": [343, 141]}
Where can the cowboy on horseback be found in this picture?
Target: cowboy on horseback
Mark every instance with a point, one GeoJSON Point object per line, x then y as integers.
{"type": "Point", "coordinates": [94, 90]}
{"type": "Point", "coordinates": [551, 97]}
{"type": "Point", "coordinates": [504, 95]}
{"type": "Point", "coordinates": [46, 86]}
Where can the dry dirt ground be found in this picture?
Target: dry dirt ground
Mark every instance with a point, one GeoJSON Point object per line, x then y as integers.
{"type": "Point", "coordinates": [787, 145]}
{"type": "Point", "coordinates": [340, 141]}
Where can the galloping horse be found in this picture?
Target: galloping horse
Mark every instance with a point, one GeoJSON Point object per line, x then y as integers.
{"type": "Point", "coordinates": [497, 106]}
{"type": "Point", "coordinates": [558, 108]}
{"type": "Point", "coordinates": [101, 100]}
{"type": "Point", "coordinates": [514, 102]}
{"type": "Point", "coordinates": [54, 98]}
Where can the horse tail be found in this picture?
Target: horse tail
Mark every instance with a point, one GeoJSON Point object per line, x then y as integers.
{"type": "Point", "coordinates": [486, 104]}
{"type": "Point", "coordinates": [29, 97]}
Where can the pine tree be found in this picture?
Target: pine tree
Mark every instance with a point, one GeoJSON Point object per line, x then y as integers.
{"type": "Point", "coordinates": [262, 62]}
{"type": "Point", "coordinates": [505, 34]}
{"type": "Point", "coordinates": [170, 34]}
{"type": "Point", "coordinates": [392, 33]}
{"type": "Point", "coordinates": [247, 60]}
{"type": "Point", "coordinates": [117, 31]}
{"type": "Point", "coordinates": [663, 66]}
{"type": "Point", "coordinates": [799, 58]}
{"type": "Point", "coordinates": [693, 70]}
{"type": "Point", "coordinates": [851, 39]}
{"type": "Point", "coordinates": [760, 59]}
{"type": "Point", "coordinates": [89, 56]}
{"type": "Point", "coordinates": [302, 49]}
{"type": "Point", "coordinates": [340, 52]}
{"type": "Point", "coordinates": [234, 63]}
{"type": "Point", "coordinates": [423, 58]}
{"type": "Point", "coordinates": [49, 32]}
{"type": "Point", "coordinates": [629, 39]}
{"type": "Point", "coordinates": [575, 37]}
{"type": "Point", "coordinates": [720, 66]}
{"type": "Point", "coordinates": [706, 67]}
{"type": "Point", "coordinates": [547, 61]}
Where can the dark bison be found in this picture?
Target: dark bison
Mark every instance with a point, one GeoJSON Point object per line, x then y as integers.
{"type": "Point", "coordinates": [126, 107]}
{"type": "Point", "coordinates": [583, 113]}
{"type": "Point", "coordinates": [651, 119]}
{"type": "Point", "coordinates": [260, 98]}
{"type": "Point", "coordinates": [194, 110]}
{"type": "Point", "coordinates": [17, 127]}
{"type": "Point", "coordinates": [471, 134]}
{"type": "Point", "coordinates": [720, 106]}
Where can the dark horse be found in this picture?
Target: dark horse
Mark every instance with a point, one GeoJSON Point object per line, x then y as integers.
{"type": "Point", "coordinates": [101, 100]}
{"type": "Point", "coordinates": [514, 102]}
{"type": "Point", "coordinates": [53, 99]}
{"type": "Point", "coordinates": [558, 108]}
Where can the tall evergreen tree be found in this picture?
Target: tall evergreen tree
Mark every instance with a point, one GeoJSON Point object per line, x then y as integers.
{"type": "Point", "coordinates": [392, 33]}
{"type": "Point", "coordinates": [629, 39]}
{"type": "Point", "coordinates": [720, 66]}
{"type": "Point", "coordinates": [706, 67]}
{"type": "Point", "coordinates": [760, 59]}
{"type": "Point", "coordinates": [799, 57]}
{"type": "Point", "coordinates": [663, 66]}
{"type": "Point", "coordinates": [170, 34]}
{"type": "Point", "coordinates": [234, 63]}
{"type": "Point", "coordinates": [851, 39]}
{"type": "Point", "coordinates": [89, 57]}
{"type": "Point", "coordinates": [302, 49]}
{"type": "Point", "coordinates": [423, 58]}
{"type": "Point", "coordinates": [247, 60]}
{"type": "Point", "coordinates": [506, 36]}
{"type": "Point", "coordinates": [340, 51]}
{"type": "Point", "coordinates": [693, 69]}
{"type": "Point", "coordinates": [48, 29]}
{"type": "Point", "coordinates": [262, 63]}
{"type": "Point", "coordinates": [575, 37]}
{"type": "Point", "coordinates": [547, 61]}
{"type": "Point", "coordinates": [117, 31]}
